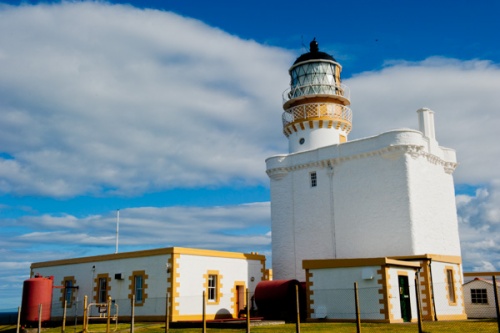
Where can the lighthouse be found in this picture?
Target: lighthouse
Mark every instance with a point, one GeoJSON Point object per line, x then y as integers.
{"type": "Point", "coordinates": [390, 195]}
{"type": "Point", "coordinates": [316, 106]}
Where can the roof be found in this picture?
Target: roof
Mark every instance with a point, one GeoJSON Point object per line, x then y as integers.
{"type": "Point", "coordinates": [482, 280]}
{"type": "Point", "coordinates": [314, 54]}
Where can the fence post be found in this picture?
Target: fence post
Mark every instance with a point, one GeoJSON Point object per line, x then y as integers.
{"type": "Point", "coordinates": [63, 327]}
{"type": "Point", "coordinates": [85, 314]}
{"type": "Point", "coordinates": [204, 320]}
{"type": "Point", "coordinates": [40, 318]}
{"type": "Point", "coordinates": [167, 314]}
{"type": "Point", "coordinates": [356, 300]}
{"type": "Point", "coordinates": [132, 314]}
{"type": "Point", "coordinates": [248, 310]}
{"type": "Point", "coordinates": [108, 319]}
{"type": "Point", "coordinates": [18, 319]}
{"type": "Point", "coordinates": [297, 325]}
{"type": "Point", "coordinates": [495, 292]}
{"type": "Point", "coordinates": [419, 306]}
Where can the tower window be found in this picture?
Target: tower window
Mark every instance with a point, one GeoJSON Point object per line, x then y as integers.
{"type": "Point", "coordinates": [301, 141]}
{"type": "Point", "coordinates": [314, 179]}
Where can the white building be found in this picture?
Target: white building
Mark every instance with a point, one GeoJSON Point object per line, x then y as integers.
{"type": "Point", "coordinates": [479, 295]}
{"type": "Point", "coordinates": [391, 195]}
{"type": "Point", "coordinates": [148, 275]}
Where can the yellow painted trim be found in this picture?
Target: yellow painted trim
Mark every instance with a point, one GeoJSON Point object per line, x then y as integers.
{"type": "Point", "coordinates": [309, 293]}
{"type": "Point", "coordinates": [336, 263]}
{"type": "Point", "coordinates": [453, 286]}
{"type": "Point", "coordinates": [147, 253]}
{"type": "Point", "coordinates": [63, 291]}
{"type": "Point", "coordinates": [131, 286]}
{"type": "Point", "coordinates": [235, 297]}
{"type": "Point", "coordinates": [384, 289]}
{"type": "Point", "coordinates": [174, 279]}
{"type": "Point", "coordinates": [452, 317]}
{"type": "Point", "coordinates": [96, 286]}
{"type": "Point", "coordinates": [426, 290]}
{"type": "Point", "coordinates": [433, 257]}
{"type": "Point", "coordinates": [218, 286]}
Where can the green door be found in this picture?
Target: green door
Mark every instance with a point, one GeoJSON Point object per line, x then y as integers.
{"type": "Point", "coordinates": [404, 297]}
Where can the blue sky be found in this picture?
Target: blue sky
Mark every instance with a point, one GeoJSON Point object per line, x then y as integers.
{"type": "Point", "coordinates": [167, 110]}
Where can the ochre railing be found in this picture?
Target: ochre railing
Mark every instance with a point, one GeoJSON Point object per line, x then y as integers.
{"type": "Point", "coordinates": [317, 111]}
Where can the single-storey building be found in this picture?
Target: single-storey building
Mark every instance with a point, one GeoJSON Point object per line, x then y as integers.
{"type": "Point", "coordinates": [479, 298]}
{"type": "Point", "coordinates": [147, 276]}
{"type": "Point", "coordinates": [386, 288]}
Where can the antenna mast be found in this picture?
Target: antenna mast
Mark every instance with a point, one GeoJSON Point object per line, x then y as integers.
{"type": "Point", "coordinates": [117, 228]}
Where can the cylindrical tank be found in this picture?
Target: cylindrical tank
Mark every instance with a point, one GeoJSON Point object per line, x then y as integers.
{"type": "Point", "coordinates": [277, 299]}
{"type": "Point", "coordinates": [36, 291]}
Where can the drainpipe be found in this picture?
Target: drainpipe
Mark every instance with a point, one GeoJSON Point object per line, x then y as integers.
{"type": "Point", "coordinates": [432, 291]}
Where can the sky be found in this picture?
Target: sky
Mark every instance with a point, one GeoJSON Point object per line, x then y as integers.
{"type": "Point", "coordinates": [166, 111]}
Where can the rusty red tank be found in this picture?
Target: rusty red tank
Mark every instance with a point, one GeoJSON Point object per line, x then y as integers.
{"type": "Point", "coordinates": [36, 291]}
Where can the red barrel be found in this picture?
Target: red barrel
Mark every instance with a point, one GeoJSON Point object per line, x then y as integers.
{"type": "Point", "coordinates": [36, 291]}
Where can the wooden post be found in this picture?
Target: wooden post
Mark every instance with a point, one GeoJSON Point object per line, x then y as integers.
{"type": "Point", "coordinates": [40, 318]}
{"type": "Point", "coordinates": [85, 314]}
{"type": "Point", "coordinates": [18, 319]}
{"type": "Point", "coordinates": [108, 319]}
{"type": "Point", "coordinates": [297, 324]}
{"type": "Point", "coordinates": [132, 314]}
{"type": "Point", "coordinates": [419, 306]}
{"type": "Point", "coordinates": [63, 326]}
{"type": "Point", "coordinates": [167, 314]}
{"type": "Point", "coordinates": [358, 316]}
{"type": "Point", "coordinates": [248, 310]}
{"type": "Point", "coordinates": [495, 292]}
{"type": "Point", "coordinates": [204, 328]}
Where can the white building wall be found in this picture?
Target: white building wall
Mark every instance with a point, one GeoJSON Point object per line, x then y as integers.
{"type": "Point", "coordinates": [332, 293]}
{"type": "Point", "coordinates": [444, 307]}
{"type": "Point", "coordinates": [371, 200]}
{"type": "Point", "coordinates": [85, 275]}
{"type": "Point", "coordinates": [193, 271]}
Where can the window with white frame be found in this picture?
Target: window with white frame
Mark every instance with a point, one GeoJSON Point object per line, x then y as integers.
{"type": "Point", "coordinates": [212, 288]}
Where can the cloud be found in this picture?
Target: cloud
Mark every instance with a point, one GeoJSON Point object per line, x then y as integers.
{"type": "Point", "coordinates": [462, 94]}
{"type": "Point", "coordinates": [111, 99]}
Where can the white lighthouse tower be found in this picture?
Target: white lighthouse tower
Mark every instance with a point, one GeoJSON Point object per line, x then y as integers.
{"type": "Point", "coordinates": [390, 195]}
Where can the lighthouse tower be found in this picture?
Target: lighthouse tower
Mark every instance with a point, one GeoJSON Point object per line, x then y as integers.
{"type": "Point", "coordinates": [389, 195]}
{"type": "Point", "coordinates": [316, 105]}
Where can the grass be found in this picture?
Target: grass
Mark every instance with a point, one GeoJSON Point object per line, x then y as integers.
{"type": "Point", "coordinates": [428, 327]}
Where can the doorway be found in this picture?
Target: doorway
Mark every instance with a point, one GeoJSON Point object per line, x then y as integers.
{"type": "Point", "coordinates": [404, 297]}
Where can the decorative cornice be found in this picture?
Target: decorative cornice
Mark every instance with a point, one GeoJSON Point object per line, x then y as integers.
{"type": "Point", "coordinates": [415, 151]}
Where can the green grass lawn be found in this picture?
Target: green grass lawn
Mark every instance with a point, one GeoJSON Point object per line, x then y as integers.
{"type": "Point", "coordinates": [429, 327]}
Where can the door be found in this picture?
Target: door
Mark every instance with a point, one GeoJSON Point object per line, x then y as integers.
{"type": "Point", "coordinates": [240, 300]}
{"type": "Point", "coordinates": [404, 297]}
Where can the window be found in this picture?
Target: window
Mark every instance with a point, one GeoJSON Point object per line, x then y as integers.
{"type": "Point", "coordinates": [138, 288]}
{"type": "Point", "coordinates": [479, 296]}
{"type": "Point", "coordinates": [212, 288]}
{"type": "Point", "coordinates": [103, 290]}
{"type": "Point", "coordinates": [68, 290]}
{"type": "Point", "coordinates": [314, 179]}
{"type": "Point", "coordinates": [451, 285]}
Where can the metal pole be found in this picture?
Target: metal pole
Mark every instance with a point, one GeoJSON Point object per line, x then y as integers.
{"type": "Point", "coordinates": [495, 292]}
{"type": "Point", "coordinates": [419, 306]}
{"type": "Point", "coordinates": [167, 314]}
{"type": "Point", "coordinates": [204, 328]}
{"type": "Point", "coordinates": [85, 314]}
{"type": "Point", "coordinates": [356, 299]}
{"type": "Point", "coordinates": [117, 229]}
{"type": "Point", "coordinates": [18, 319]}
{"type": "Point", "coordinates": [132, 314]}
{"type": "Point", "coordinates": [297, 324]}
{"type": "Point", "coordinates": [65, 304]}
{"type": "Point", "coordinates": [108, 319]}
{"type": "Point", "coordinates": [248, 310]}
{"type": "Point", "coordinates": [40, 318]}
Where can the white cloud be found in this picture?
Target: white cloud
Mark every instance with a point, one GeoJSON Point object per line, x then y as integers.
{"type": "Point", "coordinates": [112, 99]}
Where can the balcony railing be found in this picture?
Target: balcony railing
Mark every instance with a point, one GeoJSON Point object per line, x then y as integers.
{"type": "Point", "coordinates": [318, 111]}
{"type": "Point", "coordinates": [316, 89]}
